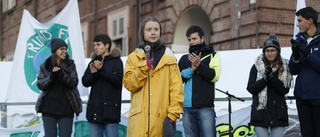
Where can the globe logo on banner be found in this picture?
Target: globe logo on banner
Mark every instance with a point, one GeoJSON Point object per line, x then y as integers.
{"type": "Point", "coordinates": [38, 50]}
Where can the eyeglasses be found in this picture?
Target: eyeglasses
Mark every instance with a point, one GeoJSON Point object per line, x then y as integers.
{"type": "Point", "coordinates": [271, 51]}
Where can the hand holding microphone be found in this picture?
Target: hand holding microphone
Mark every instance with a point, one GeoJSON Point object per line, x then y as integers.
{"type": "Point", "coordinates": [149, 60]}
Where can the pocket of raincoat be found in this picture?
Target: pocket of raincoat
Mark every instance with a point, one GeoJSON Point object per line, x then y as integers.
{"type": "Point", "coordinates": [161, 114]}
{"type": "Point", "coordinates": [134, 111]}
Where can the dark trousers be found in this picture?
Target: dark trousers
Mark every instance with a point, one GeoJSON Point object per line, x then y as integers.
{"type": "Point", "coordinates": [51, 124]}
{"type": "Point", "coordinates": [309, 117]}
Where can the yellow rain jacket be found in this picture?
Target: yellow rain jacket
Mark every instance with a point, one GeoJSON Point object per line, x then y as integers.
{"type": "Point", "coordinates": [166, 93]}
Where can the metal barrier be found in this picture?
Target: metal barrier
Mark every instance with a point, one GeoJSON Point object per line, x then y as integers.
{"type": "Point", "coordinates": [3, 106]}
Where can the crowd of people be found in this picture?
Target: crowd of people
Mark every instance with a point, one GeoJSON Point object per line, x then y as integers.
{"type": "Point", "coordinates": [187, 87]}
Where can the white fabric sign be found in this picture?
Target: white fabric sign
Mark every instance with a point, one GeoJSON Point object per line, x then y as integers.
{"type": "Point", "coordinates": [32, 49]}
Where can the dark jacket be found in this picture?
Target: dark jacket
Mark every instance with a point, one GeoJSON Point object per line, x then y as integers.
{"type": "Point", "coordinates": [275, 113]}
{"type": "Point", "coordinates": [104, 105]}
{"type": "Point", "coordinates": [60, 93]}
{"type": "Point", "coordinates": [203, 80]}
{"type": "Point", "coordinates": [307, 83]}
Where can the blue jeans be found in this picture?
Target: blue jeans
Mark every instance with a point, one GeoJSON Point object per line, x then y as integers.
{"type": "Point", "coordinates": [110, 130]}
{"type": "Point", "coordinates": [199, 122]}
{"type": "Point", "coordinates": [264, 132]}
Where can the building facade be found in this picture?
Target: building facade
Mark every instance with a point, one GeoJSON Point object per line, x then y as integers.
{"type": "Point", "coordinates": [228, 24]}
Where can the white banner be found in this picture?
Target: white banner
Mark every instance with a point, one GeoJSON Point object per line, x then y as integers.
{"type": "Point", "coordinates": [32, 49]}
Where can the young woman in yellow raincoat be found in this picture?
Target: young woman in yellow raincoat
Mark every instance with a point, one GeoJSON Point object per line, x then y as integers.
{"type": "Point", "coordinates": [153, 77]}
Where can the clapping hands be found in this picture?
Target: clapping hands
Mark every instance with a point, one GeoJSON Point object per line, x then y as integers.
{"type": "Point", "coordinates": [268, 74]}
{"type": "Point", "coordinates": [95, 66]}
{"type": "Point", "coordinates": [195, 60]}
{"type": "Point", "coordinates": [297, 48]}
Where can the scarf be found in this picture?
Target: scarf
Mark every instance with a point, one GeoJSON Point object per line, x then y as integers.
{"type": "Point", "coordinates": [285, 77]}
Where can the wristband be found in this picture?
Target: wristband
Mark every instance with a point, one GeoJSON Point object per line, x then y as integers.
{"type": "Point", "coordinates": [171, 121]}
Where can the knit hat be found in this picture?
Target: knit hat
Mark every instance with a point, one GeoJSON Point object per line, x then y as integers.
{"type": "Point", "coordinates": [57, 43]}
{"type": "Point", "coordinates": [272, 41]}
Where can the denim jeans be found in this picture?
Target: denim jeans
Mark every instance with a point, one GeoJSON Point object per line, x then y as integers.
{"type": "Point", "coordinates": [110, 130]}
{"type": "Point", "coordinates": [199, 122]}
{"type": "Point", "coordinates": [264, 132]}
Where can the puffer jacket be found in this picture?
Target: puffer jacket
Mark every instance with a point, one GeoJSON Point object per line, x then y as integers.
{"type": "Point", "coordinates": [104, 104]}
{"type": "Point", "coordinates": [67, 78]}
{"type": "Point", "coordinates": [166, 91]}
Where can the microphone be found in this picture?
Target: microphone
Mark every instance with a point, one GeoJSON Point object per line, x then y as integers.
{"type": "Point", "coordinates": [147, 49]}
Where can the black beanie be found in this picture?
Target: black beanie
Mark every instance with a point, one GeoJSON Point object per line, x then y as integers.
{"type": "Point", "coordinates": [272, 41]}
{"type": "Point", "coordinates": [57, 43]}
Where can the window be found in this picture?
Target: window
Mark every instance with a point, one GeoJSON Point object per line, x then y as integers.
{"type": "Point", "coordinates": [84, 32]}
{"type": "Point", "coordinates": [114, 28]}
{"type": "Point", "coordinates": [117, 28]}
{"type": "Point", "coordinates": [8, 5]}
{"type": "Point", "coordinates": [121, 26]}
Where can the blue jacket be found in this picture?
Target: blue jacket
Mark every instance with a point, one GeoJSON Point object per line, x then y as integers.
{"type": "Point", "coordinates": [200, 86]}
{"type": "Point", "coordinates": [307, 83]}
